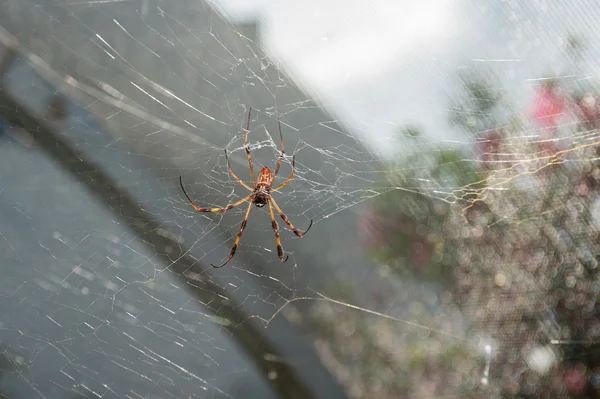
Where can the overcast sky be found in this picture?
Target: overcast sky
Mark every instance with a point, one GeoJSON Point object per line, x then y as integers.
{"type": "Point", "coordinates": [379, 64]}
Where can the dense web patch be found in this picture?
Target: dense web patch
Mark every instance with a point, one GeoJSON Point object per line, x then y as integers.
{"type": "Point", "coordinates": [108, 283]}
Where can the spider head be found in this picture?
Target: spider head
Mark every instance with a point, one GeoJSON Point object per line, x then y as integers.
{"type": "Point", "coordinates": [261, 199]}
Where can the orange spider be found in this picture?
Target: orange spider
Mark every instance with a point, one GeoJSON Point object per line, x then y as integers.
{"type": "Point", "coordinates": [260, 196]}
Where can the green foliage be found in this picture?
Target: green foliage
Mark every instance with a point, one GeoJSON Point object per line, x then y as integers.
{"type": "Point", "coordinates": [475, 108]}
{"type": "Point", "coordinates": [525, 258]}
{"type": "Point", "coordinates": [412, 218]}
{"type": "Point", "coordinates": [520, 269]}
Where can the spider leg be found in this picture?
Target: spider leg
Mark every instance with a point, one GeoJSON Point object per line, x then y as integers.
{"type": "Point", "coordinates": [237, 239]}
{"type": "Point", "coordinates": [285, 183]}
{"type": "Point", "coordinates": [248, 148]}
{"type": "Point", "coordinates": [213, 210]}
{"type": "Point", "coordinates": [277, 238]}
{"type": "Point", "coordinates": [282, 153]}
{"type": "Point", "coordinates": [287, 221]}
{"type": "Point", "coordinates": [233, 174]}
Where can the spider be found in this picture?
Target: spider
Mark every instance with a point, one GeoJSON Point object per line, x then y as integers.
{"type": "Point", "coordinates": [260, 196]}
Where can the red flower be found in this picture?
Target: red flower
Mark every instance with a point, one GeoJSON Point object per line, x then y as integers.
{"type": "Point", "coordinates": [548, 106]}
{"type": "Point", "coordinates": [575, 381]}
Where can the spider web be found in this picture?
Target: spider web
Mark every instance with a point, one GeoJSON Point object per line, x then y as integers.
{"type": "Point", "coordinates": [154, 90]}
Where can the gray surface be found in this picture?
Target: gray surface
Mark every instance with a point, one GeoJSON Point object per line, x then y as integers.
{"type": "Point", "coordinates": [148, 170]}
{"type": "Point", "coordinates": [221, 74]}
{"type": "Point", "coordinates": [75, 309]}
{"type": "Point", "coordinates": [285, 342]}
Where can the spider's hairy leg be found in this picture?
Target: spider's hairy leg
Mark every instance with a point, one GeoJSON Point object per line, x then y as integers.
{"type": "Point", "coordinates": [237, 239]}
{"type": "Point", "coordinates": [287, 221]}
{"type": "Point", "coordinates": [233, 174]}
{"type": "Point", "coordinates": [213, 210]}
{"type": "Point", "coordinates": [282, 152]}
{"type": "Point", "coordinates": [285, 183]}
{"type": "Point", "coordinates": [277, 238]}
{"type": "Point", "coordinates": [248, 148]}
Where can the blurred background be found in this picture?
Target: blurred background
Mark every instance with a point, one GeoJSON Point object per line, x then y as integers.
{"type": "Point", "coordinates": [445, 151]}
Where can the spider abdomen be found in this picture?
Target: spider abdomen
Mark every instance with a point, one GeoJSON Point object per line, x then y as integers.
{"type": "Point", "coordinates": [261, 199]}
{"type": "Point", "coordinates": [263, 186]}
